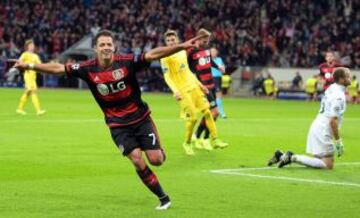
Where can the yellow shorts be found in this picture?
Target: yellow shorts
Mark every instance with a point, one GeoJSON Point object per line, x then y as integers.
{"type": "Point", "coordinates": [193, 101]}
{"type": "Point", "coordinates": [30, 83]}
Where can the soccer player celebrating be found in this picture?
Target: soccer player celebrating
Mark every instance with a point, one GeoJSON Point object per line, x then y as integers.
{"type": "Point", "coordinates": [327, 69]}
{"type": "Point", "coordinates": [217, 75]}
{"type": "Point", "coordinates": [112, 82]}
{"type": "Point", "coordinates": [30, 57]}
{"type": "Point", "coordinates": [200, 63]}
{"type": "Point", "coordinates": [188, 90]}
{"type": "Point", "coordinates": [323, 129]}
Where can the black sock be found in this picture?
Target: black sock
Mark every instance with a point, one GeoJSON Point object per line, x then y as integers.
{"type": "Point", "coordinates": [207, 133]}
{"type": "Point", "coordinates": [151, 181]}
{"type": "Point", "coordinates": [201, 128]}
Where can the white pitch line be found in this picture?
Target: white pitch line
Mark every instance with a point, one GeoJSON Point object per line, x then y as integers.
{"type": "Point", "coordinates": [291, 179]}
{"type": "Point", "coordinates": [239, 172]}
{"type": "Point", "coordinates": [273, 168]}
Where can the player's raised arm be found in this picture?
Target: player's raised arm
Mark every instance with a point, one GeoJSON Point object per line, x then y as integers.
{"type": "Point", "coordinates": [50, 68]}
{"type": "Point", "coordinates": [163, 51]}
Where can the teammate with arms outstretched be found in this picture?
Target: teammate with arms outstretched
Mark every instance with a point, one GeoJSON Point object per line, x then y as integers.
{"type": "Point", "coordinates": [111, 79]}
{"type": "Point", "coordinates": [324, 129]}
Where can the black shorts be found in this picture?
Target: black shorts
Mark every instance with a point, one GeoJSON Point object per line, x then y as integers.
{"type": "Point", "coordinates": [141, 135]}
{"type": "Point", "coordinates": [217, 81]}
{"type": "Point", "coordinates": [211, 97]}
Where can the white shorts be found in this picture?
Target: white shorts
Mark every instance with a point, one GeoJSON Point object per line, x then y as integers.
{"type": "Point", "coordinates": [319, 141]}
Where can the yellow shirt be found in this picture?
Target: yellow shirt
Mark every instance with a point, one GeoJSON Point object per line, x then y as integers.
{"type": "Point", "coordinates": [353, 88]}
{"type": "Point", "coordinates": [310, 85]}
{"type": "Point", "coordinates": [269, 86]}
{"type": "Point", "coordinates": [225, 81]}
{"type": "Point", "coordinates": [29, 57]}
{"type": "Point", "coordinates": [177, 73]}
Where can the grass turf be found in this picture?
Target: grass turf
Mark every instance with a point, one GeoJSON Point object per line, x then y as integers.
{"type": "Point", "coordinates": [64, 164]}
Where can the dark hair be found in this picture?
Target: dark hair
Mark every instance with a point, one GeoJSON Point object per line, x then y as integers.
{"type": "Point", "coordinates": [103, 33]}
{"type": "Point", "coordinates": [339, 73]}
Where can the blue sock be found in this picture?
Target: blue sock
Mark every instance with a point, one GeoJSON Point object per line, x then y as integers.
{"type": "Point", "coordinates": [220, 107]}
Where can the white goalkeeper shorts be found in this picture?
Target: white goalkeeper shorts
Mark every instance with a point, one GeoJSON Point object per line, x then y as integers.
{"type": "Point", "coordinates": [319, 140]}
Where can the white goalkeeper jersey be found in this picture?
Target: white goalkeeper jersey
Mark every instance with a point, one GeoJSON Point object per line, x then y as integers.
{"type": "Point", "coordinates": [333, 104]}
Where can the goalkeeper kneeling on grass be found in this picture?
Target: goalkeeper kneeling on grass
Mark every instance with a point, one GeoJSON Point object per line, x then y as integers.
{"type": "Point", "coordinates": [324, 137]}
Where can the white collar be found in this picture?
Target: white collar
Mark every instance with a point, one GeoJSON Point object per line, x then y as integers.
{"type": "Point", "coordinates": [340, 87]}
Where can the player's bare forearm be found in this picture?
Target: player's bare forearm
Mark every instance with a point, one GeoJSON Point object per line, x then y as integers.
{"type": "Point", "coordinates": [49, 68]}
{"type": "Point", "coordinates": [160, 52]}
{"type": "Point", "coordinates": [164, 51]}
{"type": "Point", "coordinates": [334, 127]}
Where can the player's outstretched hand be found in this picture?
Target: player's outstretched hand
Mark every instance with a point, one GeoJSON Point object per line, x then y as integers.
{"type": "Point", "coordinates": [20, 65]}
{"type": "Point", "coordinates": [339, 146]}
{"type": "Point", "coordinates": [204, 89]}
{"type": "Point", "coordinates": [222, 69]}
{"type": "Point", "coordinates": [191, 42]}
{"type": "Point", "coordinates": [177, 96]}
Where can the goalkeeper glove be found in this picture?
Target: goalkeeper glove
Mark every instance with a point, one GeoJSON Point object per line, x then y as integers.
{"type": "Point", "coordinates": [339, 147]}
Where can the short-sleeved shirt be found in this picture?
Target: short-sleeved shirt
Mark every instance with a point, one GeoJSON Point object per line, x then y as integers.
{"type": "Point", "coordinates": [333, 104]}
{"type": "Point", "coordinates": [115, 88]}
{"type": "Point", "coordinates": [30, 58]}
{"type": "Point", "coordinates": [177, 67]}
{"type": "Point", "coordinates": [200, 64]}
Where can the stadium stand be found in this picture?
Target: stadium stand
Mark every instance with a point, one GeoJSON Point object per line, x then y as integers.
{"type": "Point", "coordinates": [278, 33]}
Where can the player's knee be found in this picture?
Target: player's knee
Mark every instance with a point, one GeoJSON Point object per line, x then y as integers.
{"type": "Point", "coordinates": [157, 160]}
{"type": "Point", "coordinates": [137, 160]}
{"type": "Point", "coordinates": [329, 166]}
{"type": "Point", "coordinates": [191, 117]}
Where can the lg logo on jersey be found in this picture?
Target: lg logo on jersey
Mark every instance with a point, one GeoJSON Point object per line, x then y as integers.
{"type": "Point", "coordinates": [105, 89]}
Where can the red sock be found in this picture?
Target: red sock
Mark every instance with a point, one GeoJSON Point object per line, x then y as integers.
{"type": "Point", "coordinates": [151, 181]}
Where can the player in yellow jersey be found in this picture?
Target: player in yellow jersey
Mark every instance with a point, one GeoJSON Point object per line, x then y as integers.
{"type": "Point", "coordinates": [270, 87]}
{"type": "Point", "coordinates": [311, 88]}
{"type": "Point", "coordinates": [30, 58]}
{"type": "Point", "coordinates": [354, 90]}
{"type": "Point", "coordinates": [189, 91]}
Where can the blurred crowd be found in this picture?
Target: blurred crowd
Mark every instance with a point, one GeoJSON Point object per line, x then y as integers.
{"type": "Point", "coordinates": [282, 33]}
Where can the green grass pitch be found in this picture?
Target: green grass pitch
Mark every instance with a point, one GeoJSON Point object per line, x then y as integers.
{"type": "Point", "coordinates": [64, 164]}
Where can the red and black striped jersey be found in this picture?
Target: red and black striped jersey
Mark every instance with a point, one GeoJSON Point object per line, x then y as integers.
{"type": "Point", "coordinates": [115, 88]}
{"type": "Point", "coordinates": [326, 72]}
{"type": "Point", "coordinates": [200, 63]}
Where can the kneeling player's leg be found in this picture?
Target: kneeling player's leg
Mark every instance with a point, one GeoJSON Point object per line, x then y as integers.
{"type": "Point", "coordinates": [313, 162]}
